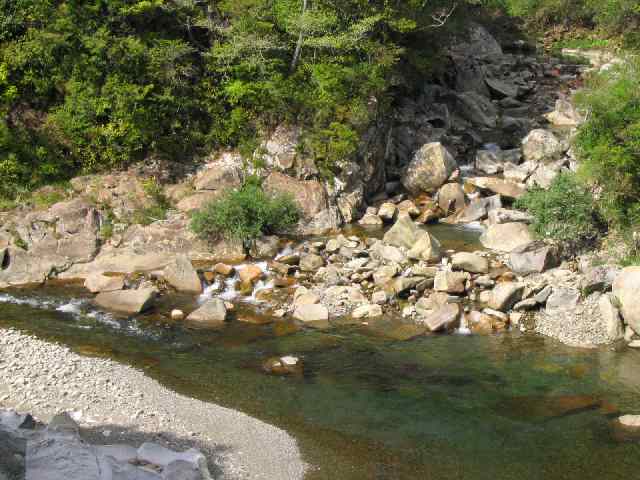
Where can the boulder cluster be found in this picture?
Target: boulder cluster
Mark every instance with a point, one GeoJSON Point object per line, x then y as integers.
{"type": "Point", "coordinates": [58, 452]}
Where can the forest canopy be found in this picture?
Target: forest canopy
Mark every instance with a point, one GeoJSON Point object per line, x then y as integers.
{"type": "Point", "coordinates": [98, 84]}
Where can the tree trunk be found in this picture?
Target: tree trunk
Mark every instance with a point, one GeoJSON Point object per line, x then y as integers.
{"type": "Point", "coordinates": [298, 51]}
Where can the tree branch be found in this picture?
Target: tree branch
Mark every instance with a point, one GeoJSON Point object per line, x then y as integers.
{"type": "Point", "coordinates": [440, 18]}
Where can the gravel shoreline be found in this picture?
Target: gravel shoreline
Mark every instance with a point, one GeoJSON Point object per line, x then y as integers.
{"type": "Point", "coordinates": [114, 403]}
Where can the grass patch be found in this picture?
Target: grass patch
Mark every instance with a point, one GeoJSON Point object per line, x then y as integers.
{"type": "Point", "coordinates": [246, 214]}
{"type": "Point", "coordinates": [565, 212]}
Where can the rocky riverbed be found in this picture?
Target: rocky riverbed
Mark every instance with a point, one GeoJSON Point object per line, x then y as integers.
{"type": "Point", "coordinates": [116, 404]}
{"type": "Point", "coordinates": [458, 154]}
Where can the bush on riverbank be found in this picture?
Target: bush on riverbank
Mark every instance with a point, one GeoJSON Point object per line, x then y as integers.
{"type": "Point", "coordinates": [617, 16]}
{"type": "Point", "coordinates": [246, 214]}
{"type": "Point", "coordinates": [609, 142]}
{"type": "Point", "coordinates": [566, 211]}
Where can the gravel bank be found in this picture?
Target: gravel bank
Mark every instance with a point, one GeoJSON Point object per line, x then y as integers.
{"type": "Point", "coordinates": [579, 325]}
{"type": "Point", "coordinates": [115, 403]}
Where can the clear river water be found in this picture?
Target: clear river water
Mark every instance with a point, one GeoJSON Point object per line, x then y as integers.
{"type": "Point", "coordinates": [370, 406]}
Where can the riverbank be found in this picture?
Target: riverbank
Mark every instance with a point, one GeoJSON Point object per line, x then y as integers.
{"type": "Point", "coordinates": [114, 403]}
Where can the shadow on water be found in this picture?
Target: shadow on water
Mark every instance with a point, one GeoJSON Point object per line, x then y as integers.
{"type": "Point", "coordinates": [368, 406]}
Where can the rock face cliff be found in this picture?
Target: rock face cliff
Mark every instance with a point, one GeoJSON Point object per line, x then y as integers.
{"type": "Point", "coordinates": [487, 96]}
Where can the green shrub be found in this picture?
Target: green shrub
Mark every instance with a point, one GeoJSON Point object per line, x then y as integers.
{"type": "Point", "coordinates": [246, 214]}
{"type": "Point", "coordinates": [609, 142]}
{"type": "Point", "coordinates": [565, 212]}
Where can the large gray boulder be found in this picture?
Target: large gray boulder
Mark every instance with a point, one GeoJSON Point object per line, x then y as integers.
{"type": "Point", "coordinates": [611, 318]}
{"type": "Point", "coordinates": [534, 257]}
{"type": "Point", "coordinates": [565, 114]}
{"type": "Point", "coordinates": [626, 288]}
{"type": "Point", "coordinates": [542, 146]}
{"type": "Point", "coordinates": [407, 234]}
{"type": "Point", "coordinates": [499, 186]}
{"type": "Point", "coordinates": [58, 452]}
{"type": "Point", "coordinates": [445, 318]}
{"type": "Point", "coordinates": [98, 282]}
{"type": "Point", "coordinates": [312, 315]}
{"type": "Point", "coordinates": [506, 237]}
{"type": "Point", "coordinates": [404, 233]}
{"type": "Point", "coordinates": [429, 169]}
{"type": "Point", "coordinates": [505, 295]}
{"type": "Point", "coordinates": [311, 197]}
{"type": "Point", "coordinates": [470, 262]}
{"type": "Point", "coordinates": [477, 108]}
{"type": "Point", "coordinates": [127, 301]}
{"type": "Point", "coordinates": [210, 315]}
{"type": "Point", "coordinates": [61, 455]}
{"type": "Point", "coordinates": [224, 173]}
{"type": "Point", "coordinates": [181, 275]}
{"type": "Point", "coordinates": [451, 198]}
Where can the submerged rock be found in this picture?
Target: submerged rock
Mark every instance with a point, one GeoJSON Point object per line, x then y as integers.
{"type": "Point", "coordinates": [212, 314]}
{"type": "Point", "coordinates": [286, 365]}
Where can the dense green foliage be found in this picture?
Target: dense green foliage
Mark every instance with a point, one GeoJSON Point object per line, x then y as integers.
{"type": "Point", "coordinates": [92, 85]}
{"type": "Point", "coordinates": [609, 142]}
{"type": "Point", "coordinates": [246, 214]}
{"type": "Point", "coordinates": [621, 15]}
{"type": "Point", "coordinates": [565, 212]}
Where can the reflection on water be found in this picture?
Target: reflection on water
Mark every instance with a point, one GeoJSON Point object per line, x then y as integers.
{"type": "Point", "coordinates": [370, 405]}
